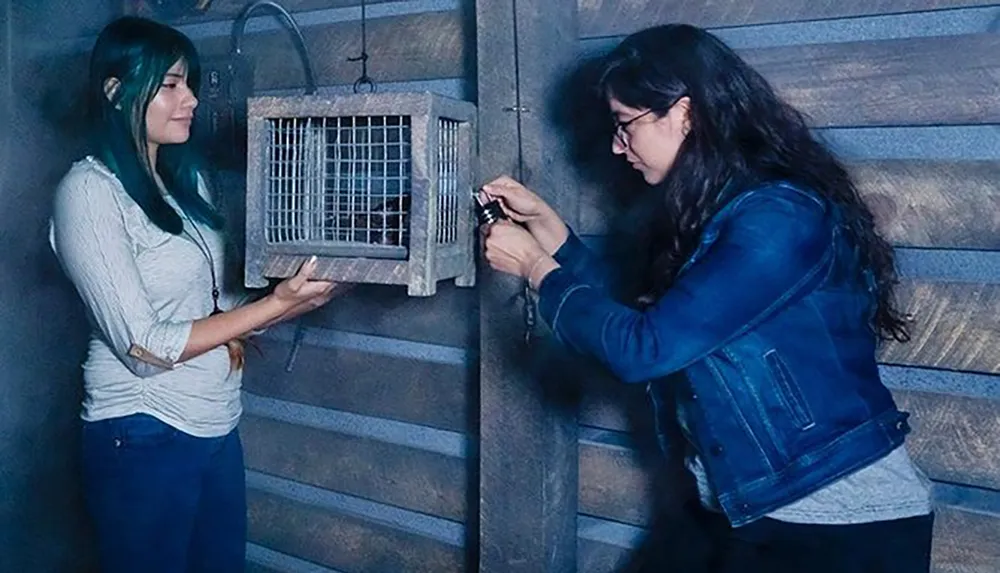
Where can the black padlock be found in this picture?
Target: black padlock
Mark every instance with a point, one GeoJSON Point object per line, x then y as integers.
{"type": "Point", "coordinates": [489, 213]}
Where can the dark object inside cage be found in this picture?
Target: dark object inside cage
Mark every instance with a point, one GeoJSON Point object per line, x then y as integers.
{"type": "Point", "coordinates": [377, 185]}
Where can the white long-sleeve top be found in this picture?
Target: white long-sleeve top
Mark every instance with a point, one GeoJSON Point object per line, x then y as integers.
{"type": "Point", "coordinates": [143, 288]}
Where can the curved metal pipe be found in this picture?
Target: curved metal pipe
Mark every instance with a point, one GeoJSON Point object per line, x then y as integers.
{"type": "Point", "coordinates": [239, 27]}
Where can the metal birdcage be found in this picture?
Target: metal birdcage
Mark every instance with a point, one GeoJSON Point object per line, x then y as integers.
{"type": "Point", "coordinates": [378, 186]}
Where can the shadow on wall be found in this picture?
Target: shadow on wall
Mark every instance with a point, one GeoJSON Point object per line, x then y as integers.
{"type": "Point", "coordinates": [45, 330]}
{"type": "Point", "coordinates": [583, 119]}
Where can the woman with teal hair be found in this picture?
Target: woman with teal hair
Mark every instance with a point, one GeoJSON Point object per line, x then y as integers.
{"type": "Point", "coordinates": [137, 233]}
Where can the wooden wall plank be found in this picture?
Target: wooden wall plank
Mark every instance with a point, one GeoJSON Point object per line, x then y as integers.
{"type": "Point", "coordinates": [413, 479]}
{"type": "Point", "coordinates": [229, 9]}
{"type": "Point", "coordinates": [388, 311]}
{"type": "Point", "coordinates": [614, 17]}
{"type": "Point", "coordinates": [423, 46]}
{"type": "Point", "coordinates": [965, 542]}
{"type": "Point", "coordinates": [363, 383]}
{"type": "Point", "coordinates": [614, 485]}
{"type": "Point", "coordinates": [344, 542]}
{"type": "Point", "coordinates": [955, 327]}
{"type": "Point", "coordinates": [888, 82]}
{"type": "Point", "coordinates": [252, 567]}
{"type": "Point", "coordinates": [6, 88]}
{"type": "Point", "coordinates": [955, 439]}
{"type": "Point", "coordinates": [528, 447]}
{"type": "Point", "coordinates": [940, 204]}
{"type": "Point", "coordinates": [598, 557]}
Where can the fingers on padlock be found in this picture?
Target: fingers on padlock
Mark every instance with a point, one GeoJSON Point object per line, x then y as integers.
{"type": "Point", "coordinates": [489, 213]}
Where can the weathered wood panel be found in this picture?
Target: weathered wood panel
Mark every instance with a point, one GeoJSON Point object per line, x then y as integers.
{"type": "Point", "coordinates": [965, 542]}
{"type": "Point", "coordinates": [614, 485]}
{"type": "Point", "coordinates": [364, 383]}
{"type": "Point", "coordinates": [889, 82]}
{"type": "Point", "coordinates": [941, 204]}
{"type": "Point", "coordinates": [401, 48]}
{"type": "Point", "coordinates": [955, 439]}
{"type": "Point", "coordinates": [253, 567]}
{"type": "Point", "coordinates": [344, 542]}
{"type": "Point", "coordinates": [597, 557]}
{"type": "Point", "coordinates": [413, 479]}
{"type": "Point", "coordinates": [6, 89]}
{"type": "Point", "coordinates": [387, 311]}
{"type": "Point", "coordinates": [955, 326]}
{"type": "Point", "coordinates": [614, 17]}
{"type": "Point", "coordinates": [528, 450]}
{"type": "Point", "coordinates": [229, 9]}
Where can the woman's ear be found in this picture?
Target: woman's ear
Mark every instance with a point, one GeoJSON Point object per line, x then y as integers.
{"type": "Point", "coordinates": [111, 88]}
{"type": "Point", "coordinates": [682, 109]}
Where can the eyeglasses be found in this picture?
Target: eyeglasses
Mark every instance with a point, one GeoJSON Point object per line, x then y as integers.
{"type": "Point", "coordinates": [621, 128]}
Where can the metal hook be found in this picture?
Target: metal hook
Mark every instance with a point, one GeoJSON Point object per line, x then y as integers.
{"type": "Point", "coordinates": [240, 25]}
{"type": "Point", "coordinates": [364, 79]}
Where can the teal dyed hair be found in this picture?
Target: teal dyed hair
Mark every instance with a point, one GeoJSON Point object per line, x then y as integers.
{"type": "Point", "coordinates": [138, 53]}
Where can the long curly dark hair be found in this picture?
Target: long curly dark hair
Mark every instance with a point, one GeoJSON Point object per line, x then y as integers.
{"type": "Point", "coordinates": [741, 133]}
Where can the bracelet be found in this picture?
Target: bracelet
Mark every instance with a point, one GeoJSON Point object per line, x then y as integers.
{"type": "Point", "coordinates": [531, 271]}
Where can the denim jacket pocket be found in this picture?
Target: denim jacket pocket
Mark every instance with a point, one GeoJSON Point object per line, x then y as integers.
{"type": "Point", "coordinates": [789, 392]}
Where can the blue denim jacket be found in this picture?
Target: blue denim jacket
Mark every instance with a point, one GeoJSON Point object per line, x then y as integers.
{"type": "Point", "coordinates": [769, 325]}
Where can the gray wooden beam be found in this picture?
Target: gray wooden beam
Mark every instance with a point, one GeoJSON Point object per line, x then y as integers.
{"type": "Point", "coordinates": [954, 327]}
{"type": "Point", "coordinates": [6, 83]}
{"type": "Point", "coordinates": [965, 541]}
{"type": "Point", "coordinates": [376, 309]}
{"type": "Point", "coordinates": [410, 478]}
{"type": "Point", "coordinates": [362, 382]}
{"type": "Point", "coordinates": [888, 82]}
{"type": "Point", "coordinates": [343, 540]}
{"type": "Point", "coordinates": [412, 47]}
{"type": "Point", "coordinates": [229, 9]}
{"type": "Point", "coordinates": [528, 450]}
{"type": "Point", "coordinates": [613, 17]}
{"type": "Point", "coordinates": [955, 439]}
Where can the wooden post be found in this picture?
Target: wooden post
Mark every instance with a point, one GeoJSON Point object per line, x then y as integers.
{"type": "Point", "coordinates": [6, 81]}
{"type": "Point", "coordinates": [528, 445]}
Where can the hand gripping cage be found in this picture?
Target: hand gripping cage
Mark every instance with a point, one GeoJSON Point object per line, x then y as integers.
{"type": "Point", "coordinates": [377, 186]}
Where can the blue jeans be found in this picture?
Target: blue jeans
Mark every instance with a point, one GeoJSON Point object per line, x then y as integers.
{"type": "Point", "coordinates": [163, 501]}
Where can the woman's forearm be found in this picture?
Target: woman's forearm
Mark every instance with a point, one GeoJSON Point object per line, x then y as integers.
{"type": "Point", "coordinates": [216, 330]}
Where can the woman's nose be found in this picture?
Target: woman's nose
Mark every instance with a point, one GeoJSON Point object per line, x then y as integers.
{"type": "Point", "coordinates": [191, 100]}
{"type": "Point", "coordinates": [617, 147]}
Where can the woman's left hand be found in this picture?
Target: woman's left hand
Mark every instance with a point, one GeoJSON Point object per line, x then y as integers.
{"type": "Point", "coordinates": [334, 290]}
{"type": "Point", "coordinates": [511, 249]}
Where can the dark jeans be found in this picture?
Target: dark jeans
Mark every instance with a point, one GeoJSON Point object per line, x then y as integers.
{"type": "Point", "coordinates": [163, 501]}
{"type": "Point", "coordinates": [698, 541]}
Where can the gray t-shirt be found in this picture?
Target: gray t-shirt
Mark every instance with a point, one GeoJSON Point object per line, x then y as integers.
{"type": "Point", "coordinates": [143, 288]}
{"type": "Point", "coordinates": [891, 488]}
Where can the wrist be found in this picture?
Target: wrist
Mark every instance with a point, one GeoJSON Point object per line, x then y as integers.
{"type": "Point", "coordinates": [539, 270]}
{"type": "Point", "coordinates": [549, 230]}
{"type": "Point", "coordinates": [275, 307]}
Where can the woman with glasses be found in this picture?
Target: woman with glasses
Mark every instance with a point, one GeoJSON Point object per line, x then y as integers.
{"type": "Point", "coordinates": [765, 285]}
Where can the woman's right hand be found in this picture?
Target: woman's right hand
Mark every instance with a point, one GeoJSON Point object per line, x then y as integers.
{"type": "Point", "coordinates": [299, 289]}
{"type": "Point", "coordinates": [524, 206]}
